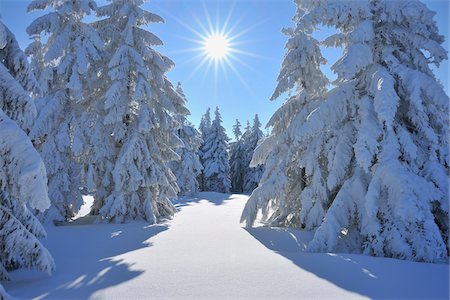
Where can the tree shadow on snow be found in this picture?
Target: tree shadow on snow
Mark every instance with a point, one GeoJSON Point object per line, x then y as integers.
{"type": "Point", "coordinates": [85, 262]}
{"type": "Point", "coordinates": [365, 275]}
{"type": "Point", "coordinates": [212, 197]}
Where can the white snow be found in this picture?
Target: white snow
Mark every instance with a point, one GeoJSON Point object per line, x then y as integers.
{"type": "Point", "coordinates": [204, 253]}
{"type": "Point", "coordinates": [85, 209]}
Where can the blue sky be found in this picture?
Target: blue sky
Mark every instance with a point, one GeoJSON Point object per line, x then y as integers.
{"type": "Point", "coordinates": [244, 89]}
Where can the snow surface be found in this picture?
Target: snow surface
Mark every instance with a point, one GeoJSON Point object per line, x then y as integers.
{"type": "Point", "coordinates": [205, 253]}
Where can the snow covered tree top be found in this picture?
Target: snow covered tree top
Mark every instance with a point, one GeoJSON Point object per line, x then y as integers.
{"type": "Point", "coordinates": [131, 8]}
{"type": "Point", "coordinates": [300, 77]}
{"type": "Point", "coordinates": [182, 111]}
{"type": "Point", "coordinates": [217, 119]}
{"type": "Point", "coordinates": [256, 124]}
{"type": "Point", "coordinates": [215, 157]}
{"type": "Point", "coordinates": [302, 54]}
{"type": "Point", "coordinates": [205, 123]}
{"type": "Point", "coordinates": [71, 48]}
{"type": "Point", "coordinates": [237, 130]}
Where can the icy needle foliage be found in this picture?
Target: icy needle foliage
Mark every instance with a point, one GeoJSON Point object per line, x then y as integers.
{"type": "Point", "coordinates": [278, 194]}
{"type": "Point", "coordinates": [63, 65]}
{"type": "Point", "coordinates": [237, 167]}
{"type": "Point", "coordinates": [380, 136]}
{"type": "Point", "coordinates": [204, 127]}
{"type": "Point", "coordinates": [133, 137]}
{"type": "Point", "coordinates": [188, 167]}
{"type": "Point", "coordinates": [23, 181]}
{"type": "Point", "coordinates": [244, 177]}
{"type": "Point", "coordinates": [252, 174]}
{"type": "Point", "coordinates": [215, 158]}
{"type": "Point", "coordinates": [395, 116]}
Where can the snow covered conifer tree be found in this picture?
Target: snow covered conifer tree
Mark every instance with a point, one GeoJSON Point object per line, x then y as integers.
{"type": "Point", "coordinates": [63, 65]}
{"type": "Point", "coordinates": [237, 160]}
{"type": "Point", "coordinates": [205, 125]}
{"type": "Point", "coordinates": [23, 180]}
{"type": "Point", "coordinates": [385, 164]}
{"type": "Point", "coordinates": [137, 115]}
{"type": "Point", "coordinates": [252, 175]}
{"type": "Point", "coordinates": [237, 130]}
{"type": "Point", "coordinates": [247, 131]}
{"type": "Point", "coordinates": [188, 167]}
{"type": "Point", "coordinates": [284, 177]}
{"type": "Point", "coordinates": [246, 157]}
{"type": "Point", "coordinates": [215, 158]}
{"type": "Point", "coordinates": [389, 119]}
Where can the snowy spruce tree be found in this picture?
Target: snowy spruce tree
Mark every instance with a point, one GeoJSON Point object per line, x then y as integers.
{"type": "Point", "coordinates": [283, 180]}
{"type": "Point", "coordinates": [237, 160]}
{"type": "Point", "coordinates": [204, 127]}
{"type": "Point", "coordinates": [385, 165]}
{"type": "Point", "coordinates": [392, 183]}
{"type": "Point", "coordinates": [253, 174]}
{"type": "Point", "coordinates": [23, 180]}
{"type": "Point", "coordinates": [188, 167]}
{"type": "Point", "coordinates": [205, 123]}
{"type": "Point", "coordinates": [133, 139]}
{"type": "Point", "coordinates": [215, 157]}
{"type": "Point", "coordinates": [64, 66]}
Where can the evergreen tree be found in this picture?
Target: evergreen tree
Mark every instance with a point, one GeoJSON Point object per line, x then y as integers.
{"type": "Point", "coordinates": [215, 156]}
{"type": "Point", "coordinates": [278, 194]}
{"type": "Point", "coordinates": [205, 123]}
{"type": "Point", "coordinates": [63, 65]}
{"type": "Point", "coordinates": [391, 177]}
{"type": "Point", "coordinates": [237, 130]}
{"type": "Point", "coordinates": [23, 180]}
{"type": "Point", "coordinates": [252, 175]}
{"type": "Point", "coordinates": [379, 140]}
{"type": "Point", "coordinates": [134, 138]}
{"type": "Point", "coordinates": [188, 167]}
{"type": "Point", "coordinates": [204, 127]}
{"type": "Point", "coordinates": [237, 160]}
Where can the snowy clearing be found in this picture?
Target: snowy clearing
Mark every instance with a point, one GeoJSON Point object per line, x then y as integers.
{"type": "Point", "coordinates": [205, 253]}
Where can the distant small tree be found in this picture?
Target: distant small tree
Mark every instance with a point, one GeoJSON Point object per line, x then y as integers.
{"type": "Point", "coordinates": [237, 160]}
{"type": "Point", "coordinates": [252, 175]}
{"type": "Point", "coordinates": [237, 130]}
{"type": "Point", "coordinates": [204, 127]}
{"type": "Point", "coordinates": [188, 167]}
{"type": "Point", "coordinates": [215, 158]}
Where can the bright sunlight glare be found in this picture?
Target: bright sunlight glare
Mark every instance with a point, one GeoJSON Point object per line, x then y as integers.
{"type": "Point", "coordinates": [216, 46]}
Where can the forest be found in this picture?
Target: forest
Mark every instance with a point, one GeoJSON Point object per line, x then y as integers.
{"type": "Point", "coordinates": [356, 165]}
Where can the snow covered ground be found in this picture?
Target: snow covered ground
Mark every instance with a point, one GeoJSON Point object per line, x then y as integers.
{"type": "Point", "coordinates": [205, 253]}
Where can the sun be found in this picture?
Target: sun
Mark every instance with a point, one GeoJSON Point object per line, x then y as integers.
{"type": "Point", "coordinates": [216, 46]}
